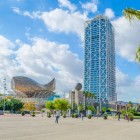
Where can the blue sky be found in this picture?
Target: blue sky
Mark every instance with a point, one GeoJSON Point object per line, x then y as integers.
{"type": "Point", "coordinates": [44, 39]}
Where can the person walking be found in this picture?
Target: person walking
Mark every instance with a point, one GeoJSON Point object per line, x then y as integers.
{"type": "Point", "coordinates": [82, 116]}
{"type": "Point", "coordinates": [127, 117]}
{"type": "Point", "coordinates": [57, 116]}
{"type": "Point", "coordinates": [124, 116]}
{"type": "Point", "coordinates": [119, 114]}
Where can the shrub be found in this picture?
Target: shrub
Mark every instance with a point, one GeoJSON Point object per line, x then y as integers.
{"type": "Point", "coordinates": [48, 114]}
{"type": "Point", "coordinates": [72, 115]}
{"type": "Point", "coordinates": [103, 109]}
{"type": "Point", "coordinates": [42, 110]}
{"type": "Point", "coordinates": [132, 110]}
{"type": "Point", "coordinates": [130, 116]}
{"type": "Point", "coordinates": [76, 115]}
{"type": "Point", "coordinates": [22, 113]}
{"type": "Point", "coordinates": [89, 116]}
{"type": "Point", "coordinates": [123, 112]}
{"type": "Point", "coordinates": [33, 114]}
{"type": "Point", "coordinates": [105, 115]}
{"type": "Point", "coordinates": [64, 116]}
{"type": "Point", "coordinates": [137, 114]}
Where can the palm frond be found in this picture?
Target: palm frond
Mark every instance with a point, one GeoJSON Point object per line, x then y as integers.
{"type": "Point", "coordinates": [138, 54]}
{"type": "Point", "coordinates": [131, 14]}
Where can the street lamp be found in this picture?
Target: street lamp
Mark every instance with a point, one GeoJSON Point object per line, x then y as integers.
{"type": "Point", "coordinates": [106, 101]}
{"type": "Point", "coordinates": [116, 106]}
{"type": "Point", "coordinates": [4, 89]}
{"type": "Point", "coordinates": [72, 101]}
{"type": "Point", "coordinates": [100, 104]}
{"type": "Point", "coordinates": [120, 106]}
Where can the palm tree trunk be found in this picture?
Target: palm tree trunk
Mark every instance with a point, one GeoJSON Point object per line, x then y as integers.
{"type": "Point", "coordinates": [84, 105]}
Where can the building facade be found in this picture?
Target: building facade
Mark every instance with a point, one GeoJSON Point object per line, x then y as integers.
{"type": "Point", "coordinates": [76, 97]}
{"type": "Point", "coordinates": [99, 59]}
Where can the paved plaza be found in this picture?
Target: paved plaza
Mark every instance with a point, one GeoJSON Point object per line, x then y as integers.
{"type": "Point", "coordinates": [43, 128]}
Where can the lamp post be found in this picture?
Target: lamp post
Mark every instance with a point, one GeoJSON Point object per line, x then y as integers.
{"type": "Point", "coordinates": [64, 95]}
{"type": "Point", "coordinates": [4, 88]}
{"type": "Point", "coordinates": [72, 101]}
{"type": "Point", "coordinates": [116, 104]}
{"type": "Point", "coordinates": [100, 104]}
{"type": "Point", "coordinates": [106, 101]}
{"type": "Point", "coordinates": [84, 104]}
{"type": "Point", "coordinates": [120, 106]}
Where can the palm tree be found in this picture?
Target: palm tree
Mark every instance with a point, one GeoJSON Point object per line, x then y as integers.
{"type": "Point", "coordinates": [136, 106]}
{"type": "Point", "coordinates": [138, 54]}
{"type": "Point", "coordinates": [129, 105]}
{"type": "Point", "coordinates": [132, 14]}
{"type": "Point", "coordinates": [87, 95]}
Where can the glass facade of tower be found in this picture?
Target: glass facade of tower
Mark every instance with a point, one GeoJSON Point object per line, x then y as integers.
{"type": "Point", "coordinates": [99, 59]}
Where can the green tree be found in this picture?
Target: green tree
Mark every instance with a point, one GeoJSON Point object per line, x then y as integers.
{"type": "Point", "coordinates": [132, 110]}
{"type": "Point", "coordinates": [11, 104]}
{"type": "Point", "coordinates": [91, 108]}
{"type": "Point", "coordinates": [87, 95]}
{"type": "Point", "coordinates": [132, 14]}
{"type": "Point", "coordinates": [129, 105]}
{"type": "Point", "coordinates": [80, 108]}
{"type": "Point", "coordinates": [136, 106]}
{"type": "Point", "coordinates": [30, 106]}
{"type": "Point", "coordinates": [1, 104]}
{"type": "Point", "coordinates": [61, 104]}
{"type": "Point", "coordinates": [123, 111]}
{"type": "Point", "coordinates": [75, 107]}
{"type": "Point", "coordinates": [103, 109]}
{"type": "Point", "coordinates": [16, 104]}
{"type": "Point", "coordinates": [50, 105]}
{"type": "Point", "coordinates": [111, 109]}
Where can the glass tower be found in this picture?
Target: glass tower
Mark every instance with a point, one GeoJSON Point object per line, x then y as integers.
{"type": "Point", "coordinates": [99, 59]}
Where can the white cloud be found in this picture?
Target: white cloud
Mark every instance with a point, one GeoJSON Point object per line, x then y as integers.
{"type": "Point", "coordinates": [126, 37]}
{"type": "Point", "coordinates": [122, 78]}
{"type": "Point", "coordinates": [127, 87]}
{"type": "Point", "coordinates": [59, 20]}
{"type": "Point", "coordinates": [25, 13]}
{"type": "Point", "coordinates": [42, 60]}
{"type": "Point", "coordinates": [16, 10]}
{"type": "Point", "coordinates": [6, 46]}
{"type": "Point", "coordinates": [67, 4]}
{"type": "Point", "coordinates": [56, 63]}
{"type": "Point", "coordinates": [109, 13]}
{"type": "Point", "coordinates": [91, 6]}
{"type": "Point", "coordinates": [6, 54]}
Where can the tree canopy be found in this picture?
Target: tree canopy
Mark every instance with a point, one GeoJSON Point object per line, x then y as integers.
{"type": "Point", "coordinates": [89, 94]}
{"type": "Point", "coordinates": [132, 14]}
{"type": "Point", "coordinates": [61, 104]}
{"type": "Point", "coordinates": [50, 105]}
{"type": "Point", "coordinates": [30, 106]}
{"type": "Point", "coordinates": [11, 104]}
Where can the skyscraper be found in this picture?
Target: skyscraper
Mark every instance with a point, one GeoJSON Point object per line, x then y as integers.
{"type": "Point", "coordinates": [99, 59]}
